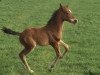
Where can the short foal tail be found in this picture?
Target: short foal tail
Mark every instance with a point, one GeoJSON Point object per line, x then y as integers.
{"type": "Point", "coordinates": [9, 31]}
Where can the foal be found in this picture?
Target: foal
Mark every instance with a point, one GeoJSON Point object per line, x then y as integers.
{"type": "Point", "coordinates": [48, 35]}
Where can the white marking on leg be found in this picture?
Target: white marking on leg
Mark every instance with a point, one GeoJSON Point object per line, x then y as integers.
{"type": "Point", "coordinates": [64, 44]}
{"type": "Point", "coordinates": [27, 66]}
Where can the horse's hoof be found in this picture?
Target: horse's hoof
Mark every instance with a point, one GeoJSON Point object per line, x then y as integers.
{"type": "Point", "coordinates": [50, 69]}
{"type": "Point", "coordinates": [31, 71]}
{"type": "Point", "coordinates": [52, 66]}
{"type": "Point", "coordinates": [60, 57]}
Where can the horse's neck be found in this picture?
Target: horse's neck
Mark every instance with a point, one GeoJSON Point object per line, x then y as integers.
{"type": "Point", "coordinates": [55, 23]}
{"type": "Point", "coordinates": [54, 27]}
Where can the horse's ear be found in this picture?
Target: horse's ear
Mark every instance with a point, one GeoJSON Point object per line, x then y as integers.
{"type": "Point", "coordinates": [66, 5]}
{"type": "Point", "coordinates": [61, 5]}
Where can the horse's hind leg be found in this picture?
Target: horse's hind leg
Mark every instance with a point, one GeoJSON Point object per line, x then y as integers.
{"type": "Point", "coordinates": [22, 56]}
{"type": "Point", "coordinates": [23, 53]}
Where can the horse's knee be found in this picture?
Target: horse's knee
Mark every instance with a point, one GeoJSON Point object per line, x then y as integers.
{"type": "Point", "coordinates": [30, 46]}
{"type": "Point", "coordinates": [21, 55]}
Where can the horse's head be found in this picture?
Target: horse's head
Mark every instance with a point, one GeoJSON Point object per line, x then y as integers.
{"type": "Point", "coordinates": [67, 14]}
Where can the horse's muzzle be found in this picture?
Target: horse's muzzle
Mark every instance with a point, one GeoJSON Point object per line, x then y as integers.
{"type": "Point", "coordinates": [75, 21]}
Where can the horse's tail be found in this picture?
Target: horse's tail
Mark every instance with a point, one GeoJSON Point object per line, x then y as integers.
{"type": "Point", "coordinates": [9, 31]}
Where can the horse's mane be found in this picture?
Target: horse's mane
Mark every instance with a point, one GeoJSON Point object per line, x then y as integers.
{"type": "Point", "coordinates": [53, 17]}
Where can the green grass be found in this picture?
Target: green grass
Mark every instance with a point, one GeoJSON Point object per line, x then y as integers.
{"type": "Point", "coordinates": [83, 57]}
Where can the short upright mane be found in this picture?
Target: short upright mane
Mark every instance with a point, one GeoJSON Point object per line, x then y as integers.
{"type": "Point", "coordinates": [53, 17]}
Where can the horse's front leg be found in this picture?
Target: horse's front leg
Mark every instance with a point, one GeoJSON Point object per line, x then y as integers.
{"type": "Point", "coordinates": [58, 55]}
{"type": "Point", "coordinates": [53, 63]}
{"type": "Point", "coordinates": [65, 46]}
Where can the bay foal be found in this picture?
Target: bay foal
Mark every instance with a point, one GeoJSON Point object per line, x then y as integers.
{"type": "Point", "coordinates": [48, 35]}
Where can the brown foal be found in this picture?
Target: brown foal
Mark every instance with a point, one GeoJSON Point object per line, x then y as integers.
{"type": "Point", "coordinates": [50, 34]}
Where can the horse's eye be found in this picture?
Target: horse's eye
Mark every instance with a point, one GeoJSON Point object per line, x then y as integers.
{"type": "Point", "coordinates": [66, 13]}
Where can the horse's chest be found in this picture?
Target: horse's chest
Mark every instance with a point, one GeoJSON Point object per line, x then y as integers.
{"type": "Point", "coordinates": [58, 35]}
{"type": "Point", "coordinates": [54, 37]}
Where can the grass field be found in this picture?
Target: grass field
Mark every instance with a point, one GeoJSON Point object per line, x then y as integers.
{"type": "Point", "coordinates": [83, 57]}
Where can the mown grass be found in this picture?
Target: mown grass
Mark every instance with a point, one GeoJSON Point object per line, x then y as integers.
{"type": "Point", "coordinates": [83, 38]}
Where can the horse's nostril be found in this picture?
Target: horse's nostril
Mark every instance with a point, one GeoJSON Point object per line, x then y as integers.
{"type": "Point", "coordinates": [75, 20]}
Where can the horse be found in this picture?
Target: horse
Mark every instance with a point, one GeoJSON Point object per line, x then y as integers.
{"type": "Point", "coordinates": [50, 34]}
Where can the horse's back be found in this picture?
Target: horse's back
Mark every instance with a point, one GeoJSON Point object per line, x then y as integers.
{"type": "Point", "coordinates": [38, 35]}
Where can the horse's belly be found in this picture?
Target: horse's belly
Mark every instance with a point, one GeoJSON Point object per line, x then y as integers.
{"type": "Point", "coordinates": [43, 41]}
